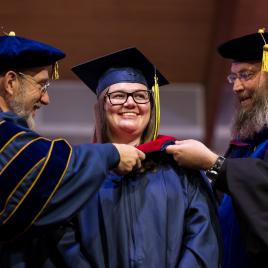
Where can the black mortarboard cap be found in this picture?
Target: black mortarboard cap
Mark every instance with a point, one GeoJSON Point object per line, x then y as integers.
{"type": "Point", "coordinates": [127, 65]}
{"type": "Point", "coordinates": [18, 53]}
{"type": "Point", "coordinates": [246, 48]}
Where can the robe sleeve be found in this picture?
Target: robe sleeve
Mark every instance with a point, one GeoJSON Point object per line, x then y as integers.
{"type": "Point", "coordinates": [246, 180]}
{"type": "Point", "coordinates": [88, 168]}
{"type": "Point", "coordinates": [202, 244]}
{"type": "Point", "coordinates": [44, 182]}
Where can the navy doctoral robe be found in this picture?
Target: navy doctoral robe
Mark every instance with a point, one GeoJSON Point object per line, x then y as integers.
{"type": "Point", "coordinates": [43, 183]}
{"type": "Point", "coordinates": [244, 210]}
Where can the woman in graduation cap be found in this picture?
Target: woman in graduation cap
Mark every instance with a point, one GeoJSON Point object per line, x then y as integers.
{"type": "Point", "coordinates": [157, 216]}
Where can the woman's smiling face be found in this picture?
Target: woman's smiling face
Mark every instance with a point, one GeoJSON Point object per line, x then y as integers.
{"type": "Point", "coordinates": [127, 122]}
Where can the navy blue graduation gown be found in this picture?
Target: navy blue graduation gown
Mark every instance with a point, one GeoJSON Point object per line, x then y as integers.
{"type": "Point", "coordinates": [164, 217]}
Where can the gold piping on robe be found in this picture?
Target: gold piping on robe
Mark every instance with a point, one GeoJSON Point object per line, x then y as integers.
{"type": "Point", "coordinates": [13, 138]}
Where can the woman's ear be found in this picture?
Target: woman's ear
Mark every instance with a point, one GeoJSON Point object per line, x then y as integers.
{"type": "Point", "coordinates": [10, 82]}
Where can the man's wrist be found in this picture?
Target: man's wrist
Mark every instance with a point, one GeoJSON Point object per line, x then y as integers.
{"type": "Point", "coordinates": [213, 172]}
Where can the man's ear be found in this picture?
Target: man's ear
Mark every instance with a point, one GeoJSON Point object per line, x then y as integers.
{"type": "Point", "coordinates": [10, 82]}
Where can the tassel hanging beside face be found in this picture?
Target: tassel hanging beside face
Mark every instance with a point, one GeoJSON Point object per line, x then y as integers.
{"type": "Point", "coordinates": [264, 67]}
{"type": "Point", "coordinates": [55, 71]}
{"type": "Point", "coordinates": [157, 107]}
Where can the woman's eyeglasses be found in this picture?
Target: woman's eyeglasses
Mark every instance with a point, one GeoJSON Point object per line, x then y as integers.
{"type": "Point", "coordinates": [121, 97]}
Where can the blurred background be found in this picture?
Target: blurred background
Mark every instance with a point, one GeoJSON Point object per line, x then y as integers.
{"type": "Point", "coordinates": [179, 36]}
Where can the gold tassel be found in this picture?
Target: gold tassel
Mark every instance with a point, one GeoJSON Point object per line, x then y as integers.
{"type": "Point", "coordinates": [55, 71]}
{"type": "Point", "coordinates": [157, 107]}
{"type": "Point", "coordinates": [264, 67]}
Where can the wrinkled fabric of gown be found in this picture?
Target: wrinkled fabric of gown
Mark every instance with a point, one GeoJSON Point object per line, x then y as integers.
{"type": "Point", "coordinates": [164, 217]}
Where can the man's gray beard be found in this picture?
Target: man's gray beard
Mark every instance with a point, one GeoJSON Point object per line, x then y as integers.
{"type": "Point", "coordinates": [17, 107]}
{"type": "Point", "coordinates": [248, 123]}
{"type": "Point", "coordinates": [30, 121]}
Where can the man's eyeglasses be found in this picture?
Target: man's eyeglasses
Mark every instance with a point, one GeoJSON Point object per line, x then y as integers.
{"type": "Point", "coordinates": [242, 76]}
{"type": "Point", "coordinates": [43, 85]}
{"type": "Point", "coordinates": [121, 97]}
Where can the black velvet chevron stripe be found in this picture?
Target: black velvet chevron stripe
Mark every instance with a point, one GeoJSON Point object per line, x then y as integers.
{"type": "Point", "coordinates": [36, 201]}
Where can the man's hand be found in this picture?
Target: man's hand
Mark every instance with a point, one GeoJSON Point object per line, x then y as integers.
{"type": "Point", "coordinates": [192, 154]}
{"type": "Point", "coordinates": [130, 158]}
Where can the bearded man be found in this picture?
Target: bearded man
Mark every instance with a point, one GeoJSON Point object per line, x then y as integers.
{"type": "Point", "coordinates": [250, 87]}
{"type": "Point", "coordinates": [243, 173]}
